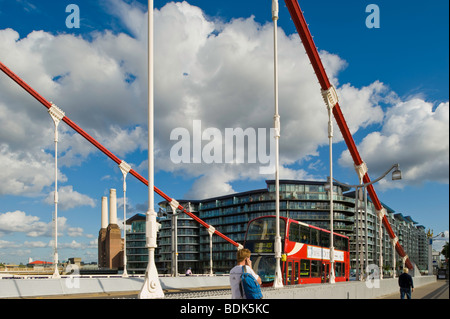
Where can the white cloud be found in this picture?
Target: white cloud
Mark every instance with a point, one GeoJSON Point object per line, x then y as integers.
{"type": "Point", "coordinates": [361, 106]}
{"type": "Point", "coordinates": [214, 71]}
{"type": "Point", "coordinates": [72, 245]}
{"type": "Point", "coordinates": [439, 242]}
{"type": "Point", "coordinates": [68, 198]}
{"type": "Point", "coordinates": [83, 79]}
{"type": "Point", "coordinates": [19, 221]}
{"type": "Point", "coordinates": [74, 231]}
{"type": "Point", "coordinates": [35, 244]}
{"type": "Point", "coordinates": [4, 244]}
{"type": "Point", "coordinates": [415, 135]}
{"type": "Point", "coordinates": [31, 226]}
{"type": "Point", "coordinates": [26, 172]}
{"type": "Point", "coordinates": [211, 185]}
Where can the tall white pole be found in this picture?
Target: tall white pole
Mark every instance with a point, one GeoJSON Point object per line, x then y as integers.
{"type": "Point", "coordinates": [55, 218]}
{"type": "Point", "coordinates": [174, 244]}
{"type": "Point", "coordinates": [331, 99]}
{"type": "Point", "coordinates": [278, 281]}
{"type": "Point", "coordinates": [211, 231]}
{"type": "Point", "coordinates": [57, 115]}
{"type": "Point", "coordinates": [394, 267]}
{"type": "Point", "coordinates": [361, 228]}
{"type": "Point", "coordinates": [366, 233]}
{"type": "Point", "coordinates": [380, 231]}
{"type": "Point", "coordinates": [124, 168]}
{"type": "Point", "coordinates": [430, 254]}
{"type": "Point", "coordinates": [330, 139]}
{"type": "Point", "coordinates": [152, 286]}
{"type": "Point", "coordinates": [357, 233]}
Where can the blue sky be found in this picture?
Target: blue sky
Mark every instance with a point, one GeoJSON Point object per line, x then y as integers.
{"type": "Point", "coordinates": [214, 64]}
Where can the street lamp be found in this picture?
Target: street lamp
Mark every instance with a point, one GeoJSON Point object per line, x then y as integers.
{"type": "Point", "coordinates": [278, 281]}
{"type": "Point", "coordinates": [125, 169]}
{"type": "Point", "coordinates": [396, 175]}
{"type": "Point", "coordinates": [174, 205]}
{"type": "Point", "coordinates": [331, 99]}
{"type": "Point", "coordinates": [152, 286]}
{"type": "Point", "coordinates": [430, 249]}
{"type": "Point", "coordinates": [57, 115]}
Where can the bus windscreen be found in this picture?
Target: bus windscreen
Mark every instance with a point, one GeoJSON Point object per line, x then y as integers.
{"type": "Point", "coordinates": [264, 229]}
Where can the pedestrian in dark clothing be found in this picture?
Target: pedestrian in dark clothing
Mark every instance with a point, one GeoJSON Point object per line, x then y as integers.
{"type": "Point", "coordinates": [406, 284]}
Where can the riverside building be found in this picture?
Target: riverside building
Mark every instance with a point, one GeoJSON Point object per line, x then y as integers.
{"type": "Point", "coordinates": [305, 201]}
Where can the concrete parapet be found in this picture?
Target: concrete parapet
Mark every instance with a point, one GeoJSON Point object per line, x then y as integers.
{"type": "Point", "coordinates": [341, 290]}
{"type": "Point", "coordinates": [30, 288]}
{"type": "Point", "coordinates": [46, 287]}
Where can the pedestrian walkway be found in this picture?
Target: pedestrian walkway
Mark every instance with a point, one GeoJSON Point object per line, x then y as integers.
{"type": "Point", "coordinates": [436, 290]}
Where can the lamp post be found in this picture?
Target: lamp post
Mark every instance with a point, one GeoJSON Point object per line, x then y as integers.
{"type": "Point", "coordinates": [430, 249]}
{"type": "Point", "coordinates": [396, 175]}
{"type": "Point", "coordinates": [331, 99]}
{"type": "Point", "coordinates": [278, 281]}
{"type": "Point", "coordinates": [211, 231]}
{"type": "Point", "coordinates": [57, 115]}
{"type": "Point", "coordinates": [125, 169]}
{"type": "Point", "coordinates": [174, 204]}
{"type": "Point", "coordinates": [329, 188]}
{"type": "Point", "coordinates": [152, 286]}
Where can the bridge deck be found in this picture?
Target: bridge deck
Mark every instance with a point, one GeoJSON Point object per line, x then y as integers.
{"type": "Point", "coordinates": [192, 287]}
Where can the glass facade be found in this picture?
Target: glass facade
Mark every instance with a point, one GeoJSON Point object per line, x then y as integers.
{"type": "Point", "coordinates": [188, 240]}
{"type": "Point", "coordinates": [137, 253]}
{"type": "Point", "coordinates": [305, 201]}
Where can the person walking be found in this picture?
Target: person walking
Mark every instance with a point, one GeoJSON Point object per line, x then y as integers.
{"type": "Point", "coordinates": [406, 284]}
{"type": "Point", "coordinates": [243, 259]}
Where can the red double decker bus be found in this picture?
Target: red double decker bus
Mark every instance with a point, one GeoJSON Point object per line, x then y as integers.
{"type": "Point", "coordinates": [305, 251]}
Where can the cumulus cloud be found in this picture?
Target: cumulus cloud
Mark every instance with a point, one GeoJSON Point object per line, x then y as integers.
{"type": "Point", "coordinates": [32, 226]}
{"type": "Point", "coordinates": [4, 244]}
{"type": "Point", "coordinates": [19, 221]}
{"type": "Point", "coordinates": [415, 135]}
{"type": "Point", "coordinates": [439, 242]}
{"type": "Point", "coordinates": [35, 244]}
{"type": "Point", "coordinates": [68, 198]}
{"type": "Point", "coordinates": [219, 72]}
{"type": "Point", "coordinates": [25, 172]}
{"type": "Point", "coordinates": [72, 245]}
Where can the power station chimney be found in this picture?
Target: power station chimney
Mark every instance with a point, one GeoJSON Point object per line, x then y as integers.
{"type": "Point", "coordinates": [110, 238]}
{"type": "Point", "coordinates": [104, 212]}
{"type": "Point", "coordinates": [102, 236]}
{"type": "Point", "coordinates": [112, 207]}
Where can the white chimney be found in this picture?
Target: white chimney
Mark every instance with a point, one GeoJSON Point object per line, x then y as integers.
{"type": "Point", "coordinates": [112, 207]}
{"type": "Point", "coordinates": [104, 212]}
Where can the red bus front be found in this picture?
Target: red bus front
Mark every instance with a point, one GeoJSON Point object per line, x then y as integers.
{"type": "Point", "coordinates": [306, 253]}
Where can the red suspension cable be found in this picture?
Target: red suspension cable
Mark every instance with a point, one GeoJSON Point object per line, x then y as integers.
{"type": "Point", "coordinates": [311, 49]}
{"type": "Point", "coordinates": [94, 142]}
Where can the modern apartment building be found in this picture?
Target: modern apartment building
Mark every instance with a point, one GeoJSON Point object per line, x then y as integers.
{"type": "Point", "coordinates": [306, 201]}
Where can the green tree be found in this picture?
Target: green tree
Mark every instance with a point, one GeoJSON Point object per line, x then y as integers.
{"type": "Point", "coordinates": [445, 250]}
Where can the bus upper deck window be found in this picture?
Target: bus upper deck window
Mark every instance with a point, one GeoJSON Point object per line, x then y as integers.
{"type": "Point", "coordinates": [304, 234]}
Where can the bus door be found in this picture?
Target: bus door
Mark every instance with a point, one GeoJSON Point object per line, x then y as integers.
{"type": "Point", "coordinates": [325, 272]}
{"type": "Point", "coordinates": [289, 274]}
{"type": "Point", "coordinates": [292, 273]}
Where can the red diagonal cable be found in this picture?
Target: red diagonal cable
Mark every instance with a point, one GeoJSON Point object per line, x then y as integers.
{"type": "Point", "coordinates": [313, 54]}
{"type": "Point", "coordinates": [74, 126]}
